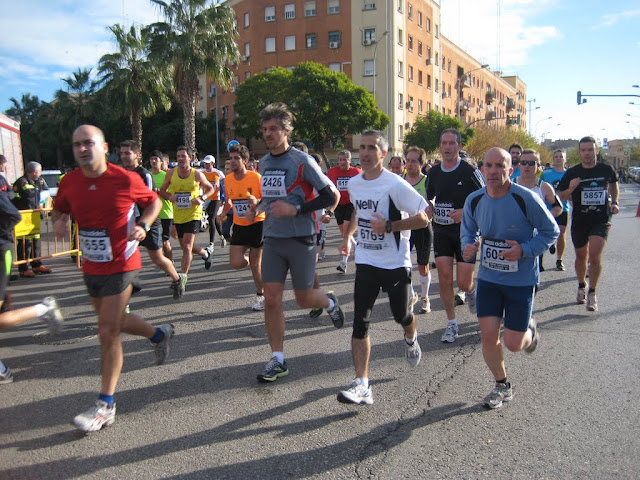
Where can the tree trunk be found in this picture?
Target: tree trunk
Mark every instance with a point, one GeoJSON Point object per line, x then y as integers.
{"type": "Point", "coordinates": [189, 98]}
{"type": "Point", "coordinates": [136, 126]}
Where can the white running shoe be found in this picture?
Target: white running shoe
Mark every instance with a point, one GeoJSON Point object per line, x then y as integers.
{"type": "Point", "coordinates": [53, 317]}
{"type": "Point", "coordinates": [500, 394]}
{"type": "Point", "coordinates": [258, 305]}
{"type": "Point", "coordinates": [97, 417]}
{"type": "Point", "coordinates": [342, 268]}
{"type": "Point", "coordinates": [413, 353]}
{"type": "Point", "coordinates": [460, 297]}
{"type": "Point", "coordinates": [356, 393]}
{"type": "Point", "coordinates": [450, 334]}
{"type": "Point", "coordinates": [425, 306]}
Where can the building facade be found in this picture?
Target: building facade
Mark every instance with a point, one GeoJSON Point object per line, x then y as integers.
{"type": "Point", "coordinates": [393, 48]}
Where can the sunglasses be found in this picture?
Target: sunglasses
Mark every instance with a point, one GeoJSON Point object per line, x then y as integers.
{"type": "Point", "coordinates": [528, 163]}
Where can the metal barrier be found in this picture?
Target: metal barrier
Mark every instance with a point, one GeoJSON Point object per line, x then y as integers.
{"type": "Point", "coordinates": [36, 225]}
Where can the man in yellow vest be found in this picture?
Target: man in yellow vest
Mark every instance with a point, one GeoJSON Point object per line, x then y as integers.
{"type": "Point", "coordinates": [182, 186]}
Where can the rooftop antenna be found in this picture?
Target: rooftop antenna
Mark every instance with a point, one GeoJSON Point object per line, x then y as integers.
{"type": "Point", "coordinates": [498, 59]}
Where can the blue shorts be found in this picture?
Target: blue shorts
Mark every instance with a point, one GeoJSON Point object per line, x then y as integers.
{"type": "Point", "coordinates": [515, 304]}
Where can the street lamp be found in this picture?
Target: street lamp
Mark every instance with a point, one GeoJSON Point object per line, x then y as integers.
{"type": "Point", "coordinates": [530, 101]}
{"type": "Point", "coordinates": [485, 65]}
{"type": "Point", "coordinates": [538, 123]}
{"type": "Point", "coordinates": [633, 103]}
{"type": "Point", "coordinates": [375, 52]}
{"type": "Point", "coordinates": [635, 116]}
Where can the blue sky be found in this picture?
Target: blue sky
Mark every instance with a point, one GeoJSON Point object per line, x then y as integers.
{"type": "Point", "coordinates": [556, 46]}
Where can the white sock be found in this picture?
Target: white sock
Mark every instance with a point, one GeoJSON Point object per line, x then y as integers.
{"type": "Point", "coordinates": [344, 259]}
{"type": "Point", "coordinates": [3, 369]}
{"type": "Point", "coordinates": [411, 341]}
{"type": "Point", "coordinates": [41, 309]}
{"type": "Point", "coordinates": [332, 305]}
{"type": "Point", "coordinates": [364, 381]}
{"type": "Point", "coordinates": [425, 282]}
{"type": "Point", "coordinates": [453, 322]}
{"type": "Point", "coordinates": [279, 356]}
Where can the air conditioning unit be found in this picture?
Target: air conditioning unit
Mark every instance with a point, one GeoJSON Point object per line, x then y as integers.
{"type": "Point", "coordinates": [212, 91]}
{"type": "Point", "coordinates": [428, 61]}
{"type": "Point", "coordinates": [245, 58]}
{"type": "Point", "coordinates": [369, 6]}
{"type": "Point", "coordinates": [334, 44]}
{"type": "Point", "coordinates": [367, 42]}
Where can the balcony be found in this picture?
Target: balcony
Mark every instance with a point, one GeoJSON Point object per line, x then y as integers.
{"type": "Point", "coordinates": [464, 105]}
{"type": "Point", "coordinates": [491, 96]}
{"type": "Point", "coordinates": [511, 104]}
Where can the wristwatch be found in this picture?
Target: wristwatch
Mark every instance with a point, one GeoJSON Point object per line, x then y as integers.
{"type": "Point", "coordinates": [145, 226]}
{"type": "Point", "coordinates": [388, 228]}
{"type": "Point", "coordinates": [298, 209]}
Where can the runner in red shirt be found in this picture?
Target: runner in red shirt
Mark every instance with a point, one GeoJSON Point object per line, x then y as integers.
{"type": "Point", "coordinates": [340, 176]}
{"type": "Point", "coordinates": [102, 198]}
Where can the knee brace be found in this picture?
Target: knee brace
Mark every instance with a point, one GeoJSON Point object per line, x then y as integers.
{"type": "Point", "coordinates": [360, 328]}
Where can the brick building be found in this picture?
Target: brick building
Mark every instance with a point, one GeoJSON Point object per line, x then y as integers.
{"type": "Point", "coordinates": [393, 48]}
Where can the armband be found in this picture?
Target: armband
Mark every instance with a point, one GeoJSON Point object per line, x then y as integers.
{"type": "Point", "coordinates": [204, 198]}
{"type": "Point", "coordinates": [298, 209]}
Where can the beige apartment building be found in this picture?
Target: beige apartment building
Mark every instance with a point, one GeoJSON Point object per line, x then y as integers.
{"type": "Point", "coordinates": [393, 48]}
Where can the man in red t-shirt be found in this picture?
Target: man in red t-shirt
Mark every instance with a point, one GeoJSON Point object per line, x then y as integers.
{"type": "Point", "coordinates": [102, 198]}
{"type": "Point", "coordinates": [340, 176]}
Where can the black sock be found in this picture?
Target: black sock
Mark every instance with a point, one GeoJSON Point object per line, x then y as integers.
{"type": "Point", "coordinates": [592, 290]}
{"type": "Point", "coordinates": [582, 285]}
{"type": "Point", "coordinates": [504, 381]}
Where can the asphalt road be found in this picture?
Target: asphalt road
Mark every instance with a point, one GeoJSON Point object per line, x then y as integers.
{"type": "Point", "coordinates": [203, 415]}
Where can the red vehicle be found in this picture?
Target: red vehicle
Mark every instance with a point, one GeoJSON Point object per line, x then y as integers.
{"type": "Point", "coordinates": [11, 147]}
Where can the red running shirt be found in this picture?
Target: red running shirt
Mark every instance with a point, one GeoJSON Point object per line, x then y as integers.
{"type": "Point", "coordinates": [104, 209]}
{"type": "Point", "coordinates": [340, 178]}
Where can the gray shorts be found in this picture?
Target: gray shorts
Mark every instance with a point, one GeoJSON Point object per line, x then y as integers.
{"type": "Point", "coordinates": [106, 285]}
{"type": "Point", "coordinates": [298, 255]}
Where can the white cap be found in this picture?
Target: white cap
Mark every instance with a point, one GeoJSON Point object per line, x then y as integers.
{"type": "Point", "coordinates": [209, 159]}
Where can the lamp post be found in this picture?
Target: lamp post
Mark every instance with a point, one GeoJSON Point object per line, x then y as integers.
{"type": "Point", "coordinates": [530, 101]}
{"type": "Point", "coordinates": [375, 52]}
{"type": "Point", "coordinates": [538, 123]}
{"type": "Point", "coordinates": [485, 65]}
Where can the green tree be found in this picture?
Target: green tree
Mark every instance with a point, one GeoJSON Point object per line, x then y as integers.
{"type": "Point", "coordinates": [31, 112]}
{"type": "Point", "coordinates": [328, 105]}
{"type": "Point", "coordinates": [427, 129]}
{"type": "Point", "coordinates": [138, 85]}
{"type": "Point", "coordinates": [197, 38]}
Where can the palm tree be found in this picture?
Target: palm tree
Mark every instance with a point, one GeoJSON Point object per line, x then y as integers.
{"type": "Point", "coordinates": [31, 113]}
{"type": "Point", "coordinates": [76, 100]}
{"type": "Point", "coordinates": [132, 80]}
{"type": "Point", "coordinates": [198, 37]}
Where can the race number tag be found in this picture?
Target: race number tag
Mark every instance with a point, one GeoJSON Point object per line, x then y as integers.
{"type": "Point", "coordinates": [95, 245]}
{"type": "Point", "coordinates": [441, 213]}
{"type": "Point", "coordinates": [273, 184]}
{"type": "Point", "coordinates": [183, 200]}
{"type": "Point", "coordinates": [342, 183]}
{"type": "Point", "coordinates": [367, 239]}
{"type": "Point", "coordinates": [491, 256]}
{"type": "Point", "coordinates": [594, 197]}
{"type": "Point", "coordinates": [241, 207]}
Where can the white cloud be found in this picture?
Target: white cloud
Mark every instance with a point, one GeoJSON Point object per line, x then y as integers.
{"type": "Point", "coordinates": [610, 19]}
{"type": "Point", "coordinates": [474, 27]}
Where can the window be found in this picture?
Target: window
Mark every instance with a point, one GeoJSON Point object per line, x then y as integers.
{"type": "Point", "coordinates": [333, 6]}
{"type": "Point", "coordinates": [437, 59]}
{"type": "Point", "coordinates": [428, 107]}
{"type": "Point", "coordinates": [410, 11]}
{"type": "Point", "coordinates": [429, 53]}
{"type": "Point", "coordinates": [290, 42]}
{"type": "Point", "coordinates": [419, 48]}
{"type": "Point", "coordinates": [410, 104]}
{"type": "Point", "coordinates": [428, 81]}
{"type": "Point", "coordinates": [429, 25]}
{"type": "Point", "coordinates": [369, 36]}
{"type": "Point", "coordinates": [269, 14]}
{"type": "Point", "coordinates": [334, 67]}
{"type": "Point", "coordinates": [400, 132]}
{"type": "Point", "coordinates": [400, 6]}
{"type": "Point", "coordinates": [449, 66]}
{"type": "Point", "coordinates": [310, 9]}
{"type": "Point", "coordinates": [449, 89]}
{"type": "Point", "coordinates": [419, 107]}
{"type": "Point", "coordinates": [369, 67]}
{"type": "Point", "coordinates": [246, 19]}
{"type": "Point", "coordinates": [311, 40]}
{"type": "Point", "coordinates": [369, 5]}
{"type": "Point", "coordinates": [247, 75]}
{"type": "Point", "coordinates": [419, 77]}
{"type": "Point", "coordinates": [400, 36]}
{"type": "Point", "coordinates": [410, 43]}
{"type": "Point", "coordinates": [436, 84]}
{"type": "Point", "coordinates": [290, 11]}
{"type": "Point", "coordinates": [419, 19]}
{"type": "Point", "coordinates": [247, 49]}
{"type": "Point", "coordinates": [400, 101]}
{"type": "Point", "coordinates": [270, 44]}
{"type": "Point", "coordinates": [400, 68]}
{"type": "Point", "coordinates": [410, 73]}
{"type": "Point", "coordinates": [437, 31]}
{"type": "Point", "coordinates": [334, 37]}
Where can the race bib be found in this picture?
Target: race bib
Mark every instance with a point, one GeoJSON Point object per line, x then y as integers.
{"type": "Point", "coordinates": [441, 214]}
{"type": "Point", "coordinates": [342, 183]}
{"type": "Point", "coordinates": [594, 197]}
{"type": "Point", "coordinates": [95, 245]}
{"type": "Point", "coordinates": [491, 251]}
{"type": "Point", "coordinates": [183, 200]}
{"type": "Point", "coordinates": [273, 184]}
{"type": "Point", "coordinates": [367, 239]}
{"type": "Point", "coordinates": [241, 207]}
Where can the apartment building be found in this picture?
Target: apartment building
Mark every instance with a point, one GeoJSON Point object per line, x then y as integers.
{"type": "Point", "coordinates": [393, 48]}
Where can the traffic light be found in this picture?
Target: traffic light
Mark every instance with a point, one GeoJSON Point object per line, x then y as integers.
{"type": "Point", "coordinates": [580, 99]}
